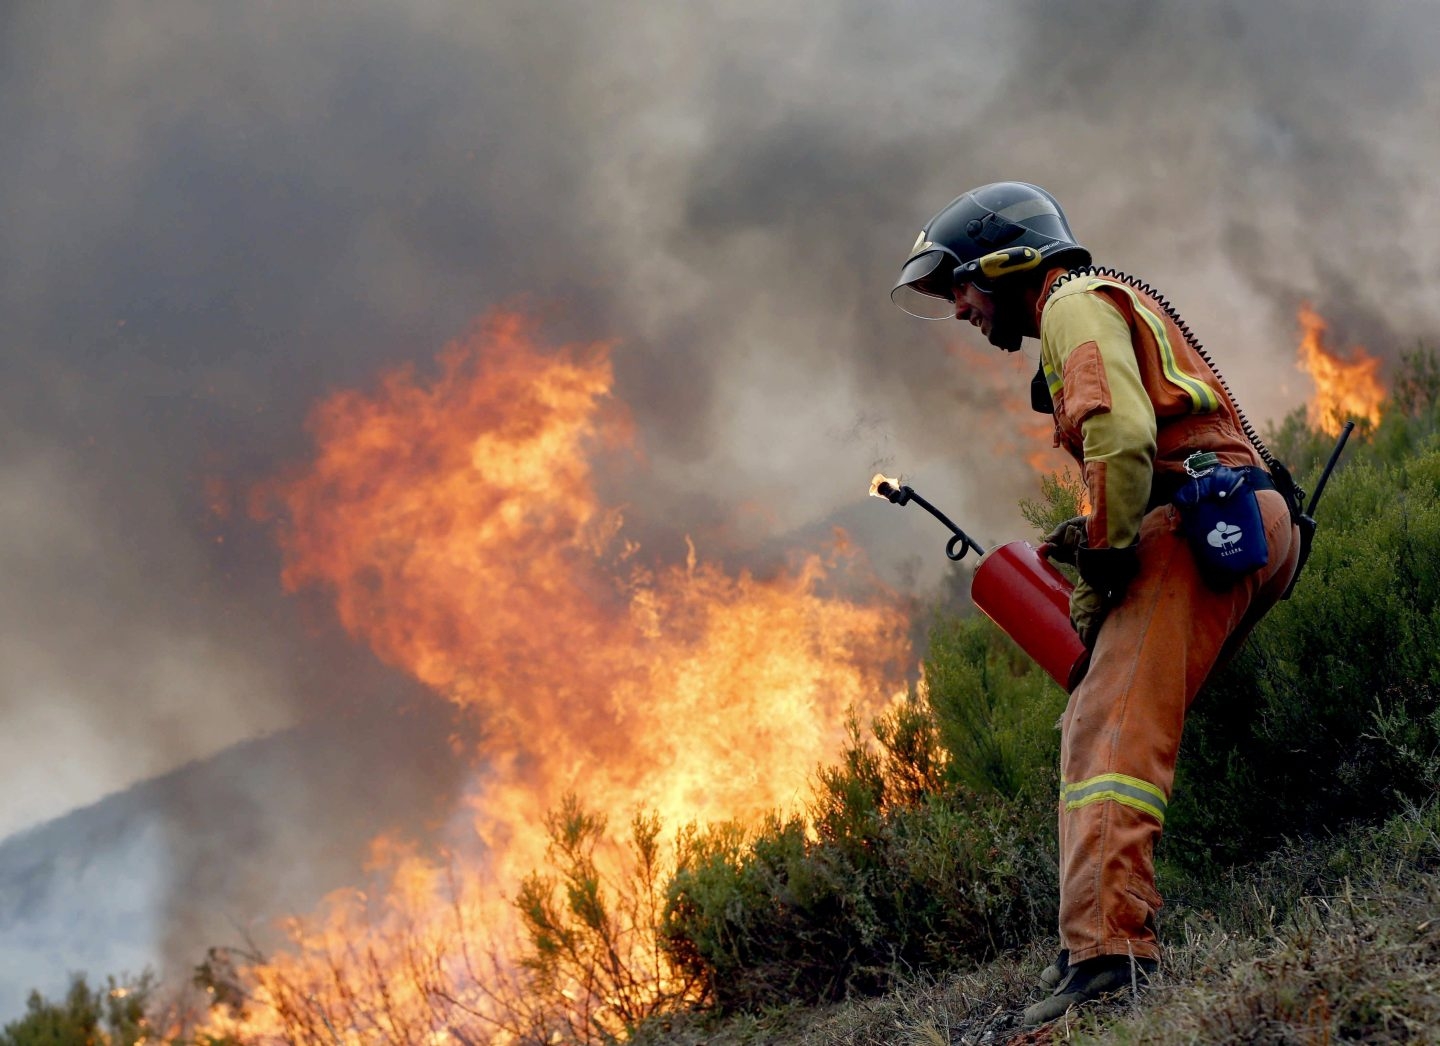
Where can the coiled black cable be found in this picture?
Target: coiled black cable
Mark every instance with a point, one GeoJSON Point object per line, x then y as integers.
{"type": "Point", "coordinates": [1283, 480]}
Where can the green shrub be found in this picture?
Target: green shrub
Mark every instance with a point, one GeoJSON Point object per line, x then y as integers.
{"type": "Point", "coordinates": [1332, 711]}
{"type": "Point", "coordinates": [995, 710]}
{"type": "Point", "coordinates": [787, 918]}
{"type": "Point", "coordinates": [113, 1016]}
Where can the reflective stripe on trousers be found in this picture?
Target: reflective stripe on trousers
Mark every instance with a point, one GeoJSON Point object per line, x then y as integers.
{"type": "Point", "coordinates": [1133, 792]}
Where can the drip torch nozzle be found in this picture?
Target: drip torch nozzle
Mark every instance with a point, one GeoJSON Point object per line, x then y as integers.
{"type": "Point", "coordinates": [897, 494]}
{"type": "Point", "coordinates": [889, 489]}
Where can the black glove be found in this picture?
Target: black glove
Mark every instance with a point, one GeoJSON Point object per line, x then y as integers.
{"type": "Point", "coordinates": [1105, 574]}
{"type": "Point", "coordinates": [1066, 540]}
{"type": "Point", "coordinates": [1108, 570]}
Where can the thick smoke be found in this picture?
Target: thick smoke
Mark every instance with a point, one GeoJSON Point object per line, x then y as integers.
{"type": "Point", "coordinates": [213, 213]}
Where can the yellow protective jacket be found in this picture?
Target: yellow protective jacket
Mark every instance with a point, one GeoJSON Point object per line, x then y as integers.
{"type": "Point", "coordinates": [1133, 399]}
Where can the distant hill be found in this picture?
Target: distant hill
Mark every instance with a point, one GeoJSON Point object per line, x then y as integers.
{"type": "Point", "coordinates": [216, 849]}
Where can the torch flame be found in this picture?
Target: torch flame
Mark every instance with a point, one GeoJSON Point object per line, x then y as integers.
{"type": "Point", "coordinates": [881, 486]}
{"type": "Point", "coordinates": [456, 526]}
{"type": "Point", "coordinates": [1343, 388]}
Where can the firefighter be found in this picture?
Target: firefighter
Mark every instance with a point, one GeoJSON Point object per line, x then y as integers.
{"type": "Point", "coordinates": [1135, 401]}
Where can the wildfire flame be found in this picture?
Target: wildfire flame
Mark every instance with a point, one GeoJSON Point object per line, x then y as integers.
{"type": "Point", "coordinates": [456, 526]}
{"type": "Point", "coordinates": [1343, 388]}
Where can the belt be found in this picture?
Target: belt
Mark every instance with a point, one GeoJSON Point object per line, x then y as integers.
{"type": "Point", "coordinates": [1166, 485]}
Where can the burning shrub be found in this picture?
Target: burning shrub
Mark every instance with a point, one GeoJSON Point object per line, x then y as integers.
{"type": "Point", "coordinates": [912, 854]}
{"type": "Point", "coordinates": [596, 970]}
{"type": "Point", "coordinates": [454, 517]}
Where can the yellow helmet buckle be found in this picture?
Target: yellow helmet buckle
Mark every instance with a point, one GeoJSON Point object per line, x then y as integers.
{"type": "Point", "coordinates": [1007, 261]}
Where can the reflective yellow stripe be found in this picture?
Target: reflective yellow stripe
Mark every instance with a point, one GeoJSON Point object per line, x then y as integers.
{"type": "Point", "coordinates": [1052, 380]}
{"type": "Point", "coordinates": [1128, 791]}
{"type": "Point", "coordinates": [1202, 397]}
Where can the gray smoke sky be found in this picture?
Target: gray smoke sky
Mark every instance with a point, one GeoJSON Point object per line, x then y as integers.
{"type": "Point", "coordinates": [211, 214]}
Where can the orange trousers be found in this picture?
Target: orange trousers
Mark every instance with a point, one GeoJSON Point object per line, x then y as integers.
{"type": "Point", "coordinates": [1121, 729]}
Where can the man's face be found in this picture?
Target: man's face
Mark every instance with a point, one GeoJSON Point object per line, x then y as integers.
{"type": "Point", "coordinates": [975, 307]}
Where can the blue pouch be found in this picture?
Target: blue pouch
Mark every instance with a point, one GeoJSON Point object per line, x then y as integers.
{"type": "Point", "coordinates": [1222, 521]}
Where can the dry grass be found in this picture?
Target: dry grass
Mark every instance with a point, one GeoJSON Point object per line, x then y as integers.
{"type": "Point", "coordinates": [1323, 943]}
{"type": "Point", "coordinates": [1356, 966]}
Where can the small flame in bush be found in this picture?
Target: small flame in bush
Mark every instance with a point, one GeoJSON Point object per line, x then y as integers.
{"type": "Point", "coordinates": [1343, 388]}
{"type": "Point", "coordinates": [454, 522]}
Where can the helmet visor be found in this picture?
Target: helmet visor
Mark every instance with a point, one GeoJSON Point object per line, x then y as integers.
{"type": "Point", "coordinates": [924, 289]}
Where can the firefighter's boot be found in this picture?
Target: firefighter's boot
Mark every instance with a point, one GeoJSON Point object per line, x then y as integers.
{"type": "Point", "coordinates": [1090, 981]}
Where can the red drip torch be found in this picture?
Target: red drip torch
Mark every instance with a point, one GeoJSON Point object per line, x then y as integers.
{"type": "Point", "coordinates": [1016, 587]}
{"type": "Point", "coordinates": [1019, 589]}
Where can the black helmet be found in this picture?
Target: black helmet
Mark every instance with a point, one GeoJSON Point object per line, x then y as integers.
{"type": "Point", "coordinates": [983, 236]}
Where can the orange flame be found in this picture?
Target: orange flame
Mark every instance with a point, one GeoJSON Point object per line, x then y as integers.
{"type": "Point", "coordinates": [457, 527]}
{"type": "Point", "coordinates": [1344, 389]}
